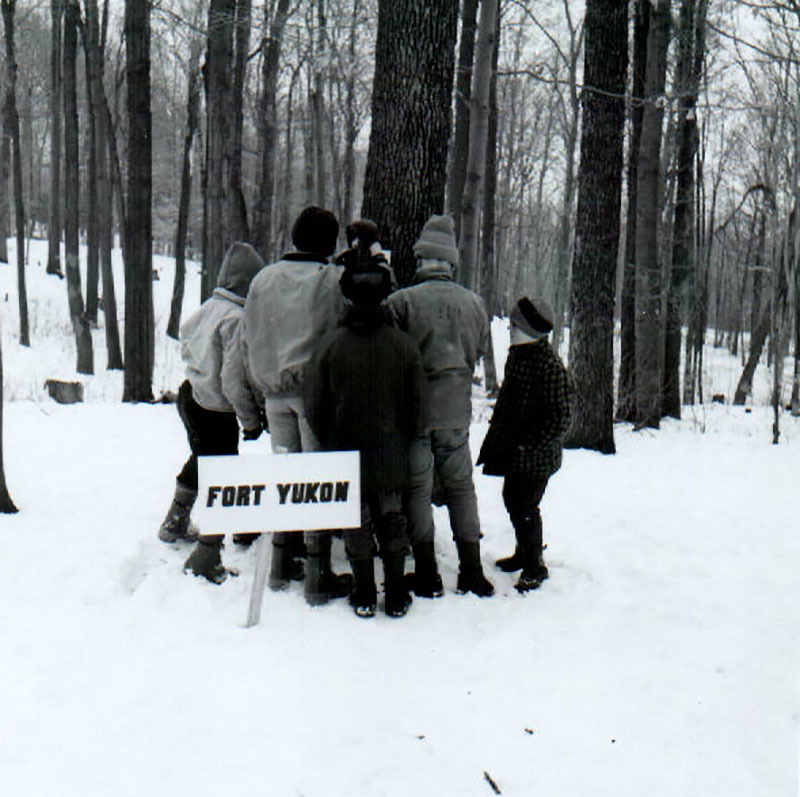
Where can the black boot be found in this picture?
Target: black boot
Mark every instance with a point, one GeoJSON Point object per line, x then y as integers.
{"type": "Point", "coordinates": [176, 525]}
{"type": "Point", "coordinates": [206, 560]}
{"type": "Point", "coordinates": [397, 600]}
{"type": "Point", "coordinates": [283, 567]}
{"type": "Point", "coordinates": [425, 581]}
{"type": "Point", "coordinates": [364, 597]}
{"type": "Point", "coordinates": [245, 538]}
{"type": "Point", "coordinates": [510, 564]}
{"type": "Point", "coordinates": [534, 570]}
{"type": "Point", "coordinates": [321, 583]}
{"type": "Point", "coordinates": [470, 570]}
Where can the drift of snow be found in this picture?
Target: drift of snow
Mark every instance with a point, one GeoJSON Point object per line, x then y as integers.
{"type": "Point", "coordinates": [660, 658]}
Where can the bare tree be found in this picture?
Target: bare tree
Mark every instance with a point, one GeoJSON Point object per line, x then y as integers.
{"type": "Point", "coordinates": [598, 224]}
{"type": "Point", "coordinates": [11, 130]}
{"type": "Point", "coordinates": [80, 325]}
{"type": "Point", "coordinates": [139, 337]}
{"type": "Point", "coordinates": [54, 222]}
{"type": "Point", "coordinates": [6, 504]}
{"type": "Point", "coordinates": [412, 90]}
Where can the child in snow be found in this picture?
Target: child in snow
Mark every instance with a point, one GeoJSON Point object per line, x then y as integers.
{"type": "Point", "coordinates": [214, 384]}
{"type": "Point", "coordinates": [362, 392]}
{"type": "Point", "coordinates": [526, 434]}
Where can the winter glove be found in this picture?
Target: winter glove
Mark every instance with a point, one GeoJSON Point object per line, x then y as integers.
{"type": "Point", "coordinates": [252, 434]}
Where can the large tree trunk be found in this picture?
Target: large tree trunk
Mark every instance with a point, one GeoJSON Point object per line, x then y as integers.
{"type": "Point", "coordinates": [54, 222]}
{"type": "Point", "coordinates": [219, 111]}
{"type": "Point", "coordinates": [626, 392]}
{"type": "Point", "coordinates": [459, 150]}
{"type": "Point", "coordinates": [11, 129]}
{"type": "Point", "coordinates": [597, 226]}
{"type": "Point", "coordinates": [649, 319]}
{"type": "Point", "coordinates": [139, 337]}
{"type": "Point", "coordinates": [80, 325]}
{"type": "Point", "coordinates": [691, 52]}
{"type": "Point", "coordinates": [268, 129]}
{"type": "Point", "coordinates": [192, 121]}
{"type": "Point", "coordinates": [478, 136]}
{"type": "Point", "coordinates": [412, 89]}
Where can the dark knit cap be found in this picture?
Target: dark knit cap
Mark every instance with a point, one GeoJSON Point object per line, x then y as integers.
{"type": "Point", "coordinates": [240, 264]}
{"type": "Point", "coordinates": [315, 230]}
{"type": "Point", "coordinates": [438, 240]}
{"type": "Point", "coordinates": [362, 233]}
{"type": "Point", "coordinates": [367, 284]}
{"type": "Point", "coordinates": [533, 316]}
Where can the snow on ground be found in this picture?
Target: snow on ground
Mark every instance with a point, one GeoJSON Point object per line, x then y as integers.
{"type": "Point", "coordinates": [660, 658]}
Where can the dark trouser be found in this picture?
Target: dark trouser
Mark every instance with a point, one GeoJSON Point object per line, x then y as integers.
{"type": "Point", "coordinates": [209, 433]}
{"type": "Point", "coordinates": [445, 453]}
{"type": "Point", "coordinates": [382, 518]}
{"type": "Point", "coordinates": [522, 494]}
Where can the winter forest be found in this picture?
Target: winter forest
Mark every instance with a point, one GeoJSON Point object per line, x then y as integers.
{"type": "Point", "coordinates": [636, 164]}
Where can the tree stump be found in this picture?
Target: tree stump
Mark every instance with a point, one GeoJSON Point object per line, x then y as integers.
{"type": "Point", "coordinates": [64, 392]}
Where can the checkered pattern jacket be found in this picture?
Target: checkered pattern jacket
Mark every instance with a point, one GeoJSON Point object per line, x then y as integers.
{"type": "Point", "coordinates": [532, 414]}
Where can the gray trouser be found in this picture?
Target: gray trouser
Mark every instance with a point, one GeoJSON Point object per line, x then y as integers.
{"type": "Point", "coordinates": [445, 452]}
{"type": "Point", "coordinates": [290, 433]}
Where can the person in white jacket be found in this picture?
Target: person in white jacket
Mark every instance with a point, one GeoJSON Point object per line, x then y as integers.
{"type": "Point", "coordinates": [214, 383]}
{"type": "Point", "coordinates": [290, 305]}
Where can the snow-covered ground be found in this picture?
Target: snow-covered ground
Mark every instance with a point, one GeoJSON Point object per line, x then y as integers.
{"type": "Point", "coordinates": [660, 659]}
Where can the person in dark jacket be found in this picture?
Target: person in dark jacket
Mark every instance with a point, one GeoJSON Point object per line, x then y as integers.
{"type": "Point", "coordinates": [210, 349]}
{"type": "Point", "coordinates": [526, 434]}
{"type": "Point", "coordinates": [362, 392]}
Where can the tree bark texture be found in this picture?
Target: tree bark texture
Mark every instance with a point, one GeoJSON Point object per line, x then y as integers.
{"type": "Point", "coordinates": [478, 137]}
{"type": "Point", "coordinates": [591, 356]}
{"type": "Point", "coordinates": [691, 54]}
{"type": "Point", "coordinates": [11, 129]}
{"type": "Point", "coordinates": [139, 337]}
{"type": "Point", "coordinates": [268, 130]}
{"type": "Point", "coordinates": [405, 175]}
{"type": "Point", "coordinates": [626, 390]}
{"type": "Point", "coordinates": [192, 121]}
{"type": "Point", "coordinates": [237, 209]}
{"type": "Point", "coordinates": [92, 230]}
{"type": "Point", "coordinates": [459, 150]}
{"type": "Point", "coordinates": [649, 287]}
{"type": "Point", "coordinates": [104, 187]}
{"type": "Point", "coordinates": [219, 113]}
{"type": "Point", "coordinates": [80, 325]}
{"type": "Point", "coordinates": [54, 222]}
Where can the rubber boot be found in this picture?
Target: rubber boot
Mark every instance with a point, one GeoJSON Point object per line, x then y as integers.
{"type": "Point", "coordinates": [510, 564]}
{"type": "Point", "coordinates": [425, 581]}
{"type": "Point", "coordinates": [364, 597]}
{"type": "Point", "coordinates": [397, 600]}
{"type": "Point", "coordinates": [321, 583]}
{"type": "Point", "coordinates": [176, 525]}
{"type": "Point", "coordinates": [206, 560]}
{"type": "Point", "coordinates": [283, 568]}
{"type": "Point", "coordinates": [470, 570]}
{"type": "Point", "coordinates": [534, 570]}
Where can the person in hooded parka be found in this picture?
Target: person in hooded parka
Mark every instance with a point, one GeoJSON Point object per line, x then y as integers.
{"type": "Point", "coordinates": [211, 351]}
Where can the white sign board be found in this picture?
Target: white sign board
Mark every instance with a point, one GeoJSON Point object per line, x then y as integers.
{"type": "Point", "coordinates": [278, 492]}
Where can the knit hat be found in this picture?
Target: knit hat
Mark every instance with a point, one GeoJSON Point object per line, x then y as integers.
{"type": "Point", "coordinates": [533, 316]}
{"type": "Point", "coordinates": [438, 240]}
{"type": "Point", "coordinates": [315, 230]}
{"type": "Point", "coordinates": [240, 264]}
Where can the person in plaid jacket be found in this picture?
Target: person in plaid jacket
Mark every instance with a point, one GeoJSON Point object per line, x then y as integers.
{"type": "Point", "coordinates": [526, 434]}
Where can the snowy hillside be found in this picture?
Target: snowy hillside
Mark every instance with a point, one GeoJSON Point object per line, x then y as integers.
{"type": "Point", "coordinates": [660, 658]}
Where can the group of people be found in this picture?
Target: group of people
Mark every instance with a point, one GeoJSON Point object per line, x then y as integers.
{"type": "Point", "coordinates": [332, 356]}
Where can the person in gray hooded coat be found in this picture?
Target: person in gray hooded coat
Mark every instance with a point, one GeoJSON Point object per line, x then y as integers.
{"type": "Point", "coordinates": [210, 349]}
{"type": "Point", "coordinates": [450, 325]}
